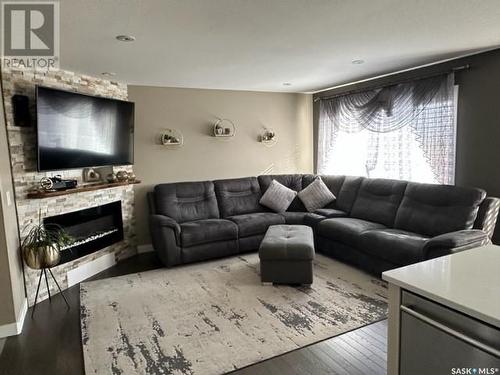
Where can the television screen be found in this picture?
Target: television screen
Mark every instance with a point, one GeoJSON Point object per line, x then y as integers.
{"type": "Point", "coordinates": [76, 131]}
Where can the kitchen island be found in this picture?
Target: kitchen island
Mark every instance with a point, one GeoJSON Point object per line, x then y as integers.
{"type": "Point", "coordinates": [444, 314]}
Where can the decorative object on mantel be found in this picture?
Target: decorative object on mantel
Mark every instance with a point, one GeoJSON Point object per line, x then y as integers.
{"type": "Point", "coordinates": [91, 175]}
{"type": "Point", "coordinates": [41, 194]}
{"type": "Point", "coordinates": [171, 137]}
{"type": "Point", "coordinates": [131, 177]}
{"type": "Point", "coordinates": [41, 251]}
{"type": "Point", "coordinates": [46, 184]}
{"type": "Point", "coordinates": [56, 183]}
{"type": "Point", "coordinates": [96, 174]}
{"type": "Point", "coordinates": [122, 176]}
{"type": "Point", "coordinates": [268, 137]}
{"type": "Point", "coordinates": [111, 178]}
{"type": "Point", "coordinates": [224, 128]}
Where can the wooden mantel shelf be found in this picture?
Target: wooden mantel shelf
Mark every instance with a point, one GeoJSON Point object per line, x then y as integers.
{"type": "Point", "coordinates": [80, 189]}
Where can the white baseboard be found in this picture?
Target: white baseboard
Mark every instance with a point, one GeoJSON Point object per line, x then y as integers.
{"type": "Point", "coordinates": [141, 249]}
{"type": "Point", "coordinates": [90, 269]}
{"type": "Point", "coordinates": [15, 328]}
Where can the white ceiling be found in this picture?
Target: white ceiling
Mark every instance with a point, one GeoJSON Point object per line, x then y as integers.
{"type": "Point", "coordinates": [260, 44]}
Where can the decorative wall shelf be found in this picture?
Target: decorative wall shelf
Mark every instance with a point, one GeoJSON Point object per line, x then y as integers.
{"type": "Point", "coordinates": [224, 128]}
{"type": "Point", "coordinates": [39, 194]}
{"type": "Point", "coordinates": [171, 138]}
{"type": "Point", "coordinates": [268, 137]}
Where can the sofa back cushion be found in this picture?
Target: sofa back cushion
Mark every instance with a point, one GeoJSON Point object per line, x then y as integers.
{"type": "Point", "coordinates": [291, 181]}
{"type": "Point", "coordinates": [187, 201]}
{"type": "Point", "coordinates": [378, 200]}
{"type": "Point", "coordinates": [348, 193]}
{"type": "Point", "coordinates": [345, 189]}
{"type": "Point", "coordinates": [333, 183]}
{"type": "Point", "coordinates": [308, 179]}
{"type": "Point", "coordinates": [238, 196]}
{"type": "Point", "coordinates": [437, 209]}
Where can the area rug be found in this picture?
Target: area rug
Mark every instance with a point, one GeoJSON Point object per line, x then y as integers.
{"type": "Point", "coordinates": [215, 317]}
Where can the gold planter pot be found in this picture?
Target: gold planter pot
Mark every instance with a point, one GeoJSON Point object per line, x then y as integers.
{"type": "Point", "coordinates": [38, 257]}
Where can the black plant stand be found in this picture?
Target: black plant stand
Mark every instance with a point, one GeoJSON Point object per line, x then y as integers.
{"type": "Point", "coordinates": [43, 272]}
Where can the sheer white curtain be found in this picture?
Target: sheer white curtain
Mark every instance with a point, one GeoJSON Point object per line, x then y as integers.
{"type": "Point", "coordinates": [406, 131]}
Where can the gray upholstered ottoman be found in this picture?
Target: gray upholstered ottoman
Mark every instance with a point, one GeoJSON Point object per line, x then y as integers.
{"type": "Point", "coordinates": [286, 255]}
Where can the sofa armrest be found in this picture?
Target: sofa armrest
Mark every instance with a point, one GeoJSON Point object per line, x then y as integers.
{"type": "Point", "coordinates": [487, 215]}
{"type": "Point", "coordinates": [166, 238]}
{"type": "Point", "coordinates": [166, 221]}
{"type": "Point", "coordinates": [454, 242]}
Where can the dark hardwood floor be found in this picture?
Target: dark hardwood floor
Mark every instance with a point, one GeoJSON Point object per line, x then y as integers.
{"type": "Point", "coordinates": [362, 351]}
{"type": "Point", "coordinates": [51, 343]}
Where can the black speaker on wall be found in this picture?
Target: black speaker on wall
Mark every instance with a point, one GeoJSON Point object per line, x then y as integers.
{"type": "Point", "coordinates": [21, 109]}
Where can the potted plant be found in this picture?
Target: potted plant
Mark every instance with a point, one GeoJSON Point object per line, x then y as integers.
{"type": "Point", "coordinates": [42, 246]}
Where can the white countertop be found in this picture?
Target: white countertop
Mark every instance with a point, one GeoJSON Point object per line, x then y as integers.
{"type": "Point", "coordinates": [468, 281]}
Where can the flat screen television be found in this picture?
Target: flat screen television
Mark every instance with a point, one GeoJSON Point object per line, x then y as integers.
{"type": "Point", "coordinates": [77, 131]}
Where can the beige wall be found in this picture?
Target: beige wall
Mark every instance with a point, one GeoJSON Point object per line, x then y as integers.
{"type": "Point", "coordinates": [12, 292]}
{"type": "Point", "coordinates": [202, 157]}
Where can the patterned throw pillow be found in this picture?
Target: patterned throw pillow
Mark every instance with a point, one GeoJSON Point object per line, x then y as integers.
{"type": "Point", "coordinates": [316, 195]}
{"type": "Point", "coordinates": [277, 197]}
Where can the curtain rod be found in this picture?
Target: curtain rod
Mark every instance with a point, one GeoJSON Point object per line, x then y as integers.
{"type": "Point", "coordinates": [374, 87]}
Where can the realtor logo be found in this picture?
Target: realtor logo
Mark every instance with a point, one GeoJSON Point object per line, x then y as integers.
{"type": "Point", "coordinates": [30, 34]}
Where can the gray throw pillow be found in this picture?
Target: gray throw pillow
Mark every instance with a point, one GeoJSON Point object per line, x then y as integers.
{"type": "Point", "coordinates": [277, 197]}
{"type": "Point", "coordinates": [316, 195]}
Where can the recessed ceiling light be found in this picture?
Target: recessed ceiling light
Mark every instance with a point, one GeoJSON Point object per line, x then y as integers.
{"type": "Point", "coordinates": [109, 74]}
{"type": "Point", "coordinates": [125, 38]}
{"type": "Point", "coordinates": [357, 62]}
{"type": "Point", "coordinates": [287, 84]}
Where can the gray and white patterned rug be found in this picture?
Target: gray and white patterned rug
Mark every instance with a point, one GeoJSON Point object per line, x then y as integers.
{"type": "Point", "coordinates": [214, 317]}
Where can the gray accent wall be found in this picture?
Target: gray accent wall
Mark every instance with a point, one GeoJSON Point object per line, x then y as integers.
{"type": "Point", "coordinates": [478, 121]}
{"type": "Point", "coordinates": [204, 157]}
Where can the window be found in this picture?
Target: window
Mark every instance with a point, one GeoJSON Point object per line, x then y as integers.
{"type": "Point", "coordinates": [405, 131]}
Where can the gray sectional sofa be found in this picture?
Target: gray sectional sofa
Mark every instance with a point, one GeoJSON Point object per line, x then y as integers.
{"type": "Point", "coordinates": [376, 224]}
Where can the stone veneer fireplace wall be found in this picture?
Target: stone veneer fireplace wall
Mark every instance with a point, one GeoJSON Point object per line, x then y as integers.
{"type": "Point", "coordinates": [22, 144]}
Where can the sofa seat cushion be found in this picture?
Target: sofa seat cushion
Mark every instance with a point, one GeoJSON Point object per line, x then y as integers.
{"type": "Point", "coordinates": [294, 217]}
{"type": "Point", "coordinates": [250, 243]}
{"type": "Point", "coordinates": [394, 245]}
{"type": "Point", "coordinates": [256, 223]}
{"type": "Point", "coordinates": [330, 212]}
{"type": "Point", "coordinates": [312, 220]}
{"type": "Point", "coordinates": [346, 230]}
{"type": "Point", "coordinates": [209, 230]}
